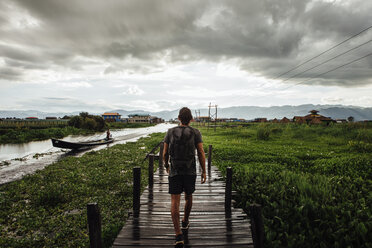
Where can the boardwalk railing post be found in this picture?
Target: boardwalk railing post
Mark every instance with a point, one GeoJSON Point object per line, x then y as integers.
{"type": "Point", "coordinates": [136, 190]}
{"type": "Point", "coordinates": [209, 157]}
{"type": "Point", "coordinates": [257, 225]}
{"type": "Point", "coordinates": [94, 225]}
{"type": "Point", "coordinates": [161, 155]}
{"type": "Point", "coordinates": [151, 170]}
{"type": "Point", "coordinates": [228, 191]}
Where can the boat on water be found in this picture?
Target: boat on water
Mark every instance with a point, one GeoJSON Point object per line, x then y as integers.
{"type": "Point", "coordinates": [79, 145]}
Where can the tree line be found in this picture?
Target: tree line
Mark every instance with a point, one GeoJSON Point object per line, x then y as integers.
{"type": "Point", "coordinates": [86, 121]}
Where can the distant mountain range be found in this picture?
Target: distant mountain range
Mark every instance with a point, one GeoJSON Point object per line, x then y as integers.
{"type": "Point", "coordinates": [246, 112]}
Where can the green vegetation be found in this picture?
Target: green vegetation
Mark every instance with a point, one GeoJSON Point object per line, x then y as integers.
{"type": "Point", "coordinates": [86, 121]}
{"type": "Point", "coordinates": [48, 209]}
{"type": "Point", "coordinates": [314, 182]}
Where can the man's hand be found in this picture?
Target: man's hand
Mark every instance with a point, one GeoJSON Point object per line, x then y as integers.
{"type": "Point", "coordinates": [167, 169]}
{"type": "Point", "coordinates": [203, 177]}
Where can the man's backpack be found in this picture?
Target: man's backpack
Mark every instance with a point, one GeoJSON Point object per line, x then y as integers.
{"type": "Point", "coordinates": [182, 149]}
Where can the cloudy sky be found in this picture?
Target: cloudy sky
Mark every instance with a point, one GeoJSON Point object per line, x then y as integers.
{"type": "Point", "coordinates": [159, 55]}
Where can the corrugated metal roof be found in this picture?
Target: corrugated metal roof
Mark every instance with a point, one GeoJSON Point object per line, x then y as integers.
{"type": "Point", "coordinates": [111, 114]}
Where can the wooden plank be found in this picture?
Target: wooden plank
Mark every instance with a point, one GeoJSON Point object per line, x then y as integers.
{"type": "Point", "coordinates": [209, 225]}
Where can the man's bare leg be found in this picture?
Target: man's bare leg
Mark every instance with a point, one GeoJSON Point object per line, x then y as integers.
{"type": "Point", "coordinates": [188, 206]}
{"type": "Point", "coordinates": [175, 210]}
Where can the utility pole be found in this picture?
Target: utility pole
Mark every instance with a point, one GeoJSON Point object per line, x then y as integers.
{"type": "Point", "coordinates": [212, 116]}
{"type": "Point", "coordinates": [197, 116]}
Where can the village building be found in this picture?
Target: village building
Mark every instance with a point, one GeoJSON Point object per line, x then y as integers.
{"type": "Point", "coordinates": [50, 118]}
{"type": "Point", "coordinates": [139, 118]}
{"type": "Point", "coordinates": [285, 120]}
{"type": "Point", "coordinates": [32, 118]}
{"type": "Point", "coordinates": [274, 120]}
{"type": "Point", "coordinates": [111, 117]}
{"type": "Point", "coordinates": [299, 119]}
{"type": "Point", "coordinates": [222, 119]}
{"type": "Point", "coordinates": [124, 120]}
{"type": "Point", "coordinates": [312, 118]}
{"type": "Point", "coordinates": [155, 119]}
{"type": "Point", "coordinates": [260, 120]}
{"type": "Point", "coordinates": [203, 119]}
{"type": "Point", "coordinates": [233, 120]}
{"type": "Point", "coordinates": [341, 120]}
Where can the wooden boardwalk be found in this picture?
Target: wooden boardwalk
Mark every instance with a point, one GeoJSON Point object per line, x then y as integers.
{"type": "Point", "coordinates": [209, 226]}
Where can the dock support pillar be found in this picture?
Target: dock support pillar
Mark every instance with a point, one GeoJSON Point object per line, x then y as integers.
{"type": "Point", "coordinates": [210, 148]}
{"type": "Point", "coordinates": [94, 225]}
{"type": "Point", "coordinates": [136, 190]}
{"type": "Point", "coordinates": [228, 192]}
{"type": "Point", "coordinates": [151, 170]}
{"type": "Point", "coordinates": [257, 225]}
{"type": "Point", "coordinates": [161, 155]}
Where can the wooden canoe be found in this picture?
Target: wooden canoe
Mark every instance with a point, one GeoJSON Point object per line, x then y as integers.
{"type": "Point", "coordinates": [79, 145]}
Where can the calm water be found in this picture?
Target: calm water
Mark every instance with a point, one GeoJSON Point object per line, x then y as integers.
{"type": "Point", "coordinates": [23, 159]}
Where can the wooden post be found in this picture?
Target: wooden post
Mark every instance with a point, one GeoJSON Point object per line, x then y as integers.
{"type": "Point", "coordinates": [151, 170]}
{"type": "Point", "coordinates": [161, 155]}
{"type": "Point", "coordinates": [228, 191]}
{"type": "Point", "coordinates": [209, 157]}
{"type": "Point", "coordinates": [94, 225]}
{"type": "Point", "coordinates": [257, 225]}
{"type": "Point", "coordinates": [136, 190]}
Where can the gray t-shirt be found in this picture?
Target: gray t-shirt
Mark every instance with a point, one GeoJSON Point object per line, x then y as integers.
{"type": "Point", "coordinates": [197, 139]}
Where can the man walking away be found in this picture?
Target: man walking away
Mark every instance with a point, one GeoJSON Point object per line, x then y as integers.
{"type": "Point", "coordinates": [179, 148]}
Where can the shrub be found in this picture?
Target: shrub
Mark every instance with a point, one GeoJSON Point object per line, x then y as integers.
{"type": "Point", "coordinates": [360, 146]}
{"type": "Point", "coordinates": [263, 133]}
{"type": "Point", "coordinates": [51, 195]}
{"type": "Point", "coordinates": [89, 122]}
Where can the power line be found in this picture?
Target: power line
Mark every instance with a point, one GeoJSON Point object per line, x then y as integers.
{"type": "Point", "coordinates": [327, 60]}
{"type": "Point", "coordinates": [338, 67]}
{"type": "Point", "coordinates": [307, 61]}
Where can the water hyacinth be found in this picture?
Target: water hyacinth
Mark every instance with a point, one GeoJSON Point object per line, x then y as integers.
{"type": "Point", "coordinates": [48, 209]}
{"type": "Point", "coordinates": [314, 182]}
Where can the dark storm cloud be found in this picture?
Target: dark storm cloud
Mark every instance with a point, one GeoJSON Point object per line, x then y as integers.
{"type": "Point", "coordinates": [10, 74]}
{"type": "Point", "coordinates": [268, 37]}
{"type": "Point", "coordinates": [18, 54]}
{"type": "Point", "coordinates": [24, 64]}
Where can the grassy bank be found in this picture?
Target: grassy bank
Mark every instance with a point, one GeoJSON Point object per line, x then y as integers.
{"type": "Point", "coordinates": [314, 182]}
{"type": "Point", "coordinates": [48, 209]}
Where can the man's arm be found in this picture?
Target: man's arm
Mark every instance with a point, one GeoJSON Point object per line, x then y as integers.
{"type": "Point", "coordinates": [201, 157]}
{"type": "Point", "coordinates": [166, 157]}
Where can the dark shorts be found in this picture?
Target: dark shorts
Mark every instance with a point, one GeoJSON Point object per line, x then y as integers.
{"type": "Point", "coordinates": [182, 183]}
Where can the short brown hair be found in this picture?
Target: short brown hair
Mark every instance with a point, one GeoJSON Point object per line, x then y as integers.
{"type": "Point", "coordinates": [185, 115]}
